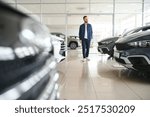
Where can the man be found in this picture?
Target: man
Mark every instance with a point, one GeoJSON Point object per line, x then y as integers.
{"type": "Point", "coordinates": [85, 35]}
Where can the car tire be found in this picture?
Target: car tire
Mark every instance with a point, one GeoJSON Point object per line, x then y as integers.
{"type": "Point", "coordinates": [73, 45]}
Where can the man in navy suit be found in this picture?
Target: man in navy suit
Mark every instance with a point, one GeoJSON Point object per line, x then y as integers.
{"type": "Point", "coordinates": [85, 35]}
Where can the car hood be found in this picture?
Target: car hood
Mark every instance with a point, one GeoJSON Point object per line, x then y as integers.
{"type": "Point", "coordinates": [133, 37]}
{"type": "Point", "coordinates": [109, 39]}
{"type": "Point", "coordinates": [56, 38]}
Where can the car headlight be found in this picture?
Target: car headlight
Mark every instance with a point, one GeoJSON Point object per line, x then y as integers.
{"type": "Point", "coordinates": [106, 42]}
{"type": "Point", "coordinates": [142, 44]}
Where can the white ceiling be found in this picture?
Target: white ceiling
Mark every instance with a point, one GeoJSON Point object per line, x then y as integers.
{"type": "Point", "coordinates": [53, 11]}
{"type": "Point", "coordinates": [71, 1]}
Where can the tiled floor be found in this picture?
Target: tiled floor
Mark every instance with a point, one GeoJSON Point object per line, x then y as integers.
{"type": "Point", "coordinates": [99, 79]}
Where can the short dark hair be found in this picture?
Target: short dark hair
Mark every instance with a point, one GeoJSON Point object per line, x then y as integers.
{"type": "Point", "coordinates": [84, 17]}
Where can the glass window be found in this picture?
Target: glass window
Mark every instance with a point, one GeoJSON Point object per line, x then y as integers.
{"type": "Point", "coordinates": [128, 8]}
{"type": "Point", "coordinates": [53, 19]}
{"type": "Point", "coordinates": [101, 24]}
{"type": "Point", "coordinates": [56, 23]}
{"type": "Point", "coordinates": [147, 7]}
{"type": "Point", "coordinates": [147, 19]}
{"type": "Point", "coordinates": [147, 1]}
{"type": "Point", "coordinates": [126, 22]}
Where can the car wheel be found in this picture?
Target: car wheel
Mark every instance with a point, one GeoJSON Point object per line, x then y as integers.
{"type": "Point", "coordinates": [73, 45]}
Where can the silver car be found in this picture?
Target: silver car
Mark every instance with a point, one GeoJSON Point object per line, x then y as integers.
{"type": "Point", "coordinates": [72, 41]}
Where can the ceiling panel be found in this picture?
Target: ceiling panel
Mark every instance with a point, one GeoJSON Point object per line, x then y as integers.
{"type": "Point", "coordinates": [53, 1]}
{"type": "Point", "coordinates": [77, 8]}
{"type": "Point", "coordinates": [99, 1]}
{"type": "Point", "coordinates": [28, 1]}
{"type": "Point", "coordinates": [51, 8]}
{"type": "Point", "coordinates": [77, 1]}
{"type": "Point", "coordinates": [101, 8]}
{"type": "Point", "coordinates": [33, 8]}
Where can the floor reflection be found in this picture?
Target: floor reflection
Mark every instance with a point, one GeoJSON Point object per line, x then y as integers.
{"type": "Point", "coordinates": [100, 78]}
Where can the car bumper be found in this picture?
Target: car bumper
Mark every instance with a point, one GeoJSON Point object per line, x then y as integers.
{"type": "Point", "coordinates": [103, 50]}
{"type": "Point", "coordinates": [42, 84]}
{"type": "Point", "coordinates": [106, 49]}
{"type": "Point", "coordinates": [134, 58]}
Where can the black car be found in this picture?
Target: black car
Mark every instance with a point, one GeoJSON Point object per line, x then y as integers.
{"type": "Point", "coordinates": [106, 46]}
{"type": "Point", "coordinates": [133, 51]}
{"type": "Point", "coordinates": [27, 70]}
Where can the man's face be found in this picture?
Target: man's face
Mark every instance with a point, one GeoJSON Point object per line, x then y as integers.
{"type": "Point", "coordinates": [86, 20]}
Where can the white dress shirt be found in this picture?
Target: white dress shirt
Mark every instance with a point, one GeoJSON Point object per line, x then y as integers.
{"type": "Point", "coordinates": [85, 34]}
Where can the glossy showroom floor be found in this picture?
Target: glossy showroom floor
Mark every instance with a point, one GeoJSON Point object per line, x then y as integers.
{"type": "Point", "coordinates": [100, 79]}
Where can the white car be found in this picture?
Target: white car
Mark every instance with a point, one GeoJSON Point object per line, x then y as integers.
{"type": "Point", "coordinates": [58, 46]}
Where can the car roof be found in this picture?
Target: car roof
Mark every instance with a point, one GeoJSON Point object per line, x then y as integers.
{"type": "Point", "coordinates": [57, 33]}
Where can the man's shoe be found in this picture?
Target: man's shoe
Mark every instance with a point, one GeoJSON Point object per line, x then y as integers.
{"type": "Point", "coordinates": [87, 59]}
{"type": "Point", "coordinates": [83, 60]}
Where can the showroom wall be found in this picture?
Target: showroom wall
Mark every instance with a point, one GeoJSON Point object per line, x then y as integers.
{"type": "Point", "coordinates": [108, 17]}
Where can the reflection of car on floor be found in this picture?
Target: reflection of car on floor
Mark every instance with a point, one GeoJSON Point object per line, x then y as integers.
{"type": "Point", "coordinates": [133, 51]}
{"type": "Point", "coordinates": [59, 47]}
{"type": "Point", "coordinates": [72, 41]}
{"type": "Point", "coordinates": [106, 46]}
{"type": "Point", "coordinates": [27, 70]}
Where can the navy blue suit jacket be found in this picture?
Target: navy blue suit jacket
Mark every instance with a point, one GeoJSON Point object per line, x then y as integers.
{"type": "Point", "coordinates": [82, 31]}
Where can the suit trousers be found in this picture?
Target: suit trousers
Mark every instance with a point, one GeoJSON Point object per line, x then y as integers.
{"type": "Point", "coordinates": [85, 47]}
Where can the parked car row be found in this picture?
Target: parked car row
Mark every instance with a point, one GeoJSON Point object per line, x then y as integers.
{"type": "Point", "coordinates": [132, 49]}
{"type": "Point", "coordinates": [27, 61]}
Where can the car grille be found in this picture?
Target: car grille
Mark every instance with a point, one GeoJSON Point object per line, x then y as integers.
{"type": "Point", "coordinates": [138, 61]}
{"type": "Point", "coordinates": [105, 50]}
{"type": "Point", "coordinates": [120, 46]}
{"type": "Point", "coordinates": [99, 43]}
{"type": "Point", "coordinates": [34, 86]}
{"type": "Point", "coordinates": [120, 61]}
